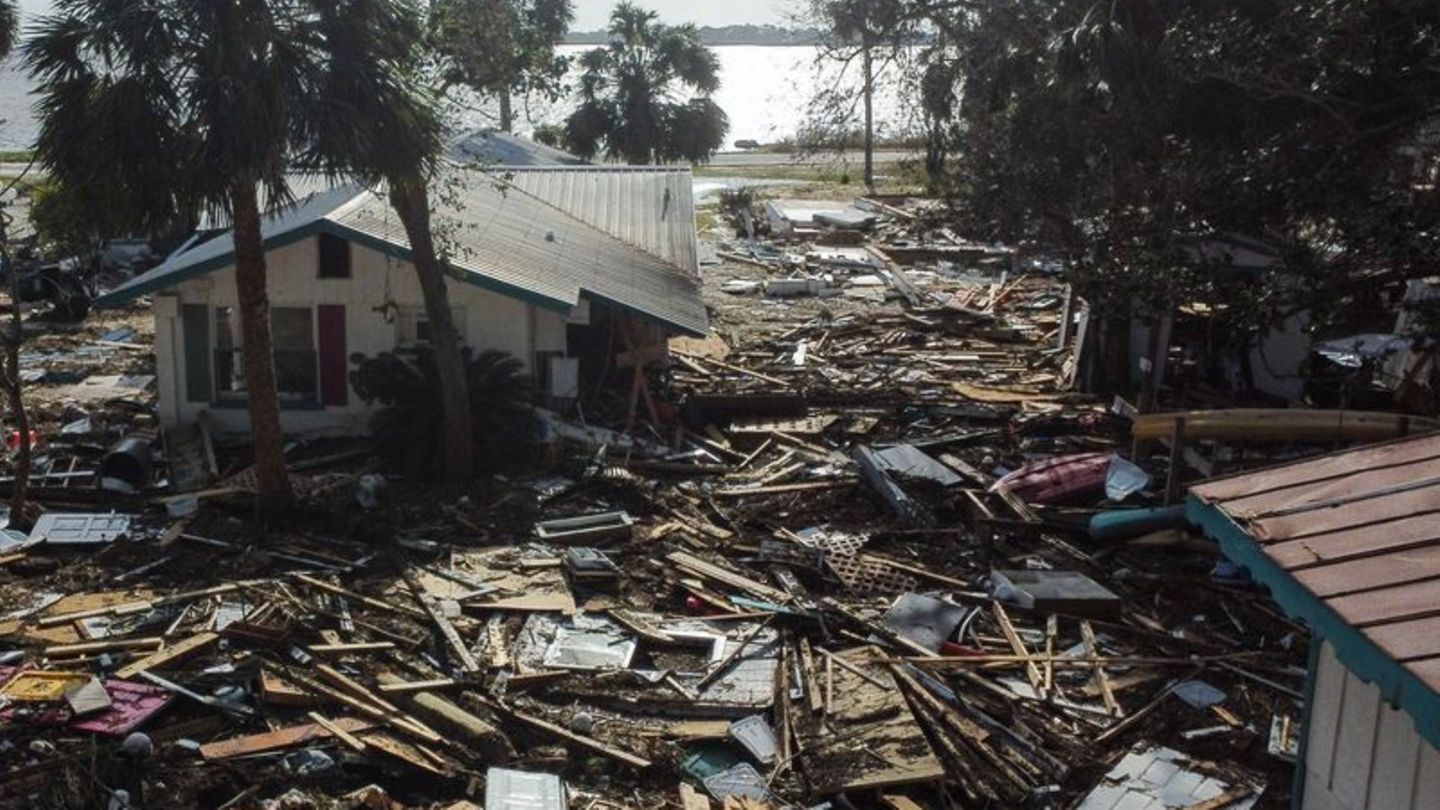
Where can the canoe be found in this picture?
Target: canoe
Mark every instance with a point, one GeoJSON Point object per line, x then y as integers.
{"type": "Point", "coordinates": [1283, 425]}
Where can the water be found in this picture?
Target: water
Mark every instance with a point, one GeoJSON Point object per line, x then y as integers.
{"type": "Point", "coordinates": [766, 92]}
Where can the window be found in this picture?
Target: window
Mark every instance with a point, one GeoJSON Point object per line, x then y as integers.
{"type": "Point", "coordinates": [334, 256]}
{"type": "Point", "coordinates": [292, 332]}
{"type": "Point", "coordinates": [412, 326]}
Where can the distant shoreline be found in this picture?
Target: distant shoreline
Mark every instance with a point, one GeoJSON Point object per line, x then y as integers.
{"type": "Point", "coordinates": [768, 36]}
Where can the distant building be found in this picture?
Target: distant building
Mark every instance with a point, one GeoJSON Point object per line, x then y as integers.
{"type": "Point", "coordinates": [1349, 543]}
{"type": "Point", "coordinates": [558, 264]}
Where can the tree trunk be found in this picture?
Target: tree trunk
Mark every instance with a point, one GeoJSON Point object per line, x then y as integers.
{"type": "Point", "coordinates": [868, 65]}
{"type": "Point", "coordinates": [14, 389]}
{"type": "Point", "coordinates": [271, 476]}
{"type": "Point", "coordinates": [507, 111]}
{"type": "Point", "coordinates": [411, 201]}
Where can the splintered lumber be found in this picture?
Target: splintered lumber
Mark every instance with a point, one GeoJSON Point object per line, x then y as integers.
{"type": "Point", "coordinates": [277, 691]}
{"type": "Point", "coordinates": [375, 708]}
{"type": "Point", "coordinates": [352, 647]}
{"type": "Point", "coordinates": [85, 648]}
{"type": "Point", "coordinates": [640, 627]}
{"type": "Point", "coordinates": [870, 739]}
{"type": "Point", "coordinates": [280, 739]}
{"type": "Point", "coordinates": [782, 489]}
{"type": "Point", "coordinates": [399, 687]}
{"type": "Point", "coordinates": [378, 604]}
{"type": "Point", "coordinates": [469, 728]}
{"type": "Point", "coordinates": [169, 655]}
{"type": "Point", "coordinates": [408, 753]}
{"type": "Point", "coordinates": [124, 609]}
{"type": "Point", "coordinates": [447, 630]}
{"type": "Point", "coordinates": [1101, 679]}
{"type": "Point", "coordinates": [690, 800]}
{"type": "Point", "coordinates": [339, 733]}
{"type": "Point", "coordinates": [1037, 681]}
{"type": "Point", "coordinates": [698, 567]}
{"type": "Point", "coordinates": [589, 743]}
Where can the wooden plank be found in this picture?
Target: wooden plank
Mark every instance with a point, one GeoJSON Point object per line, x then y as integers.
{"type": "Point", "coordinates": [408, 753]}
{"type": "Point", "coordinates": [700, 568]}
{"type": "Point", "coordinates": [447, 630]}
{"type": "Point", "coordinates": [351, 647]}
{"type": "Point", "coordinates": [361, 598]}
{"type": "Point", "coordinates": [405, 687]}
{"type": "Point", "coordinates": [589, 743]}
{"type": "Point", "coordinates": [69, 650]}
{"type": "Point", "coordinates": [1101, 679]}
{"type": "Point", "coordinates": [340, 734]}
{"type": "Point", "coordinates": [1037, 681]}
{"type": "Point", "coordinates": [169, 655]}
{"type": "Point", "coordinates": [278, 740]}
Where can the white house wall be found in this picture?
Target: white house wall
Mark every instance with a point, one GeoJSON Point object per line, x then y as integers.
{"type": "Point", "coordinates": [1361, 754]}
{"type": "Point", "coordinates": [489, 321]}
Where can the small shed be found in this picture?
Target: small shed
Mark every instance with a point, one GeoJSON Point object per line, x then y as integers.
{"type": "Point", "coordinates": [1349, 543]}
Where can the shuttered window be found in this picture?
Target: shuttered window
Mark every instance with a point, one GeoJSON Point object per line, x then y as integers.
{"type": "Point", "coordinates": [195, 329]}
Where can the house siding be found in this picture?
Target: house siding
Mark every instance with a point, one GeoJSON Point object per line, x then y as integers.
{"type": "Point", "coordinates": [489, 320]}
{"type": "Point", "coordinates": [1361, 754]}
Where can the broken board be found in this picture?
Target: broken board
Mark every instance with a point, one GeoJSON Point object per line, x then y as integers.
{"type": "Point", "coordinates": [869, 739]}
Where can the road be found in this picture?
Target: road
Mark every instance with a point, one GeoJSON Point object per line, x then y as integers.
{"type": "Point", "coordinates": [744, 159]}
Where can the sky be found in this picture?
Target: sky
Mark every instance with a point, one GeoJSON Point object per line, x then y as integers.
{"type": "Point", "coordinates": [591, 15]}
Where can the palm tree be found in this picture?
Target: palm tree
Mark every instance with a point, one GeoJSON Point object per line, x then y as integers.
{"type": "Point", "coordinates": [503, 47]}
{"type": "Point", "coordinates": [645, 98]}
{"type": "Point", "coordinates": [181, 105]}
{"type": "Point", "coordinates": [374, 119]}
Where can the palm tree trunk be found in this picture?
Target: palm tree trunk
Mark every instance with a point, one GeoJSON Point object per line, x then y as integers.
{"type": "Point", "coordinates": [271, 476]}
{"type": "Point", "coordinates": [868, 65]}
{"type": "Point", "coordinates": [507, 111]}
{"type": "Point", "coordinates": [411, 201]}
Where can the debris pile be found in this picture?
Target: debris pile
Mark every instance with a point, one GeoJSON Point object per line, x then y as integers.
{"type": "Point", "coordinates": [873, 562]}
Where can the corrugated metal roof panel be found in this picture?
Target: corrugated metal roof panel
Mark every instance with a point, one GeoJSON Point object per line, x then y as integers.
{"type": "Point", "coordinates": [649, 207]}
{"type": "Point", "coordinates": [1351, 542]}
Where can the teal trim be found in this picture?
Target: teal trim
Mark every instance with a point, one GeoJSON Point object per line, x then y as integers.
{"type": "Point", "coordinates": [1297, 786]}
{"type": "Point", "coordinates": [1398, 686]}
{"type": "Point", "coordinates": [125, 294]}
{"type": "Point", "coordinates": [243, 403]}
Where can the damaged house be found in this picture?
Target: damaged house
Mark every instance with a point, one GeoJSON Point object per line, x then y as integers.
{"type": "Point", "coordinates": [562, 266]}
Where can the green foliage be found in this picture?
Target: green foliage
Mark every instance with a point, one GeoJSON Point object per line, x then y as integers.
{"type": "Point", "coordinates": [550, 135]}
{"type": "Point", "coordinates": [633, 94]}
{"type": "Point", "coordinates": [502, 48]}
{"type": "Point", "coordinates": [70, 221]}
{"type": "Point", "coordinates": [167, 104]}
{"type": "Point", "coordinates": [1122, 136]}
{"type": "Point", "coordinates": [409, 431]}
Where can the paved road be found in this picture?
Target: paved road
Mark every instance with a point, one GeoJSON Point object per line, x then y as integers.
{"type": "Point", "coordinates": [743, 159]}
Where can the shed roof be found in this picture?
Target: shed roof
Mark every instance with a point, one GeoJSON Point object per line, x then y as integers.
{"type": "Point", "coordinates": [649, 207]}
{"type": "Point", "coordinates": [507, 240]}
{"type": "Point", "coordinates": [1350, 542]}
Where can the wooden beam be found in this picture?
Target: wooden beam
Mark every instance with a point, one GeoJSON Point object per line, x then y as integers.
{"type": "Point", "coordinates": [169, 655]}
{"type": "Point", "coordinates": [1101, 679]}
{"type": "Point", "coordinates": [589, 743]}
{"type": "Point", "coordinates": [279, 739]}
{"type": "Point", "coordinates": [339, 733]}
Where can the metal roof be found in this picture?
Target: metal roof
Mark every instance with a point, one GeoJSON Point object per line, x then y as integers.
{"type": "Point", "coordinates": [503, 239]}
{"type": "Point", "coordinates": [1350, 542]}
{"type": "Point", "coordinates": [650, 207]}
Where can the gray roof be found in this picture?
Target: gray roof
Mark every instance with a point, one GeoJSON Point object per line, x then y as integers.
{"type": "Point", "coordinates": [650, 207]}
{"type": "Point", "coordinates": [491, 147]}
{"type": "Point", "coordinates": [504, 239]}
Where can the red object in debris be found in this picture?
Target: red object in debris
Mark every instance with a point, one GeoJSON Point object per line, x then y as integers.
{"type": "Point", "coordinates": [12, 440]}
{"type": "Point", "coordinates": [1057, 480]}
{"type": "Point", "coordinates": [950, 648]}
{"type": "Point", "coordinates": [131, 704]}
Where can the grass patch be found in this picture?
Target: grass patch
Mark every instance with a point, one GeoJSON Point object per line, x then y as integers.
{"type": "Point", "coordinates": [23, 156]}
